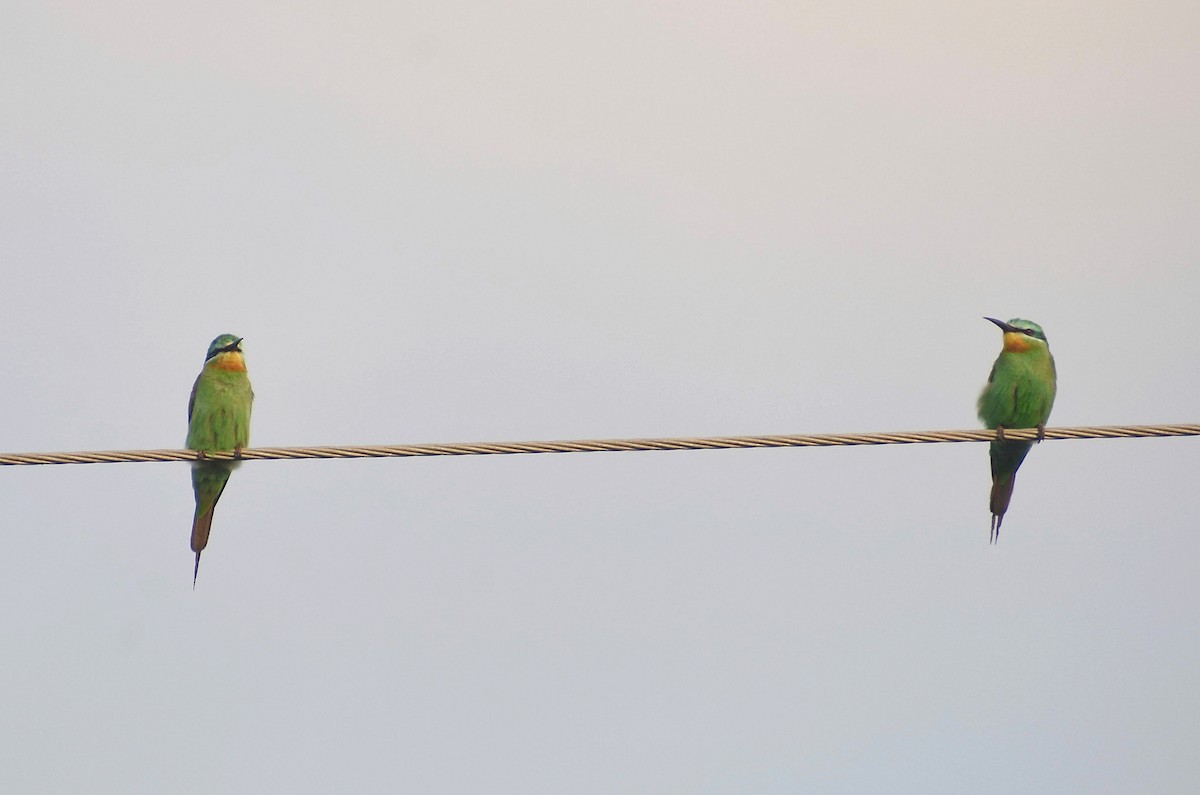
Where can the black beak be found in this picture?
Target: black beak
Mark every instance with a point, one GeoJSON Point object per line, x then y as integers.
{"type": "Point", "coordinates": [1003, 326]}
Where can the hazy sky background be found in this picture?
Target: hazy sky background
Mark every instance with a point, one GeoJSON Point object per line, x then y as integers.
{"type": "Point", "coordinates": [466, 221]}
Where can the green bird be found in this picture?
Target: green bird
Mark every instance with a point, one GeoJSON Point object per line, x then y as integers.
{"type": "Point", "coordinates": [218, 420]}
{"type": "Point", "coordinates": [1019, 394]}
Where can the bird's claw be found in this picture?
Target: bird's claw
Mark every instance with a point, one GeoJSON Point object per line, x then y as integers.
{"type": "Point", "coordinates": [237, 453]}
{"type": "Point", "coordinates": [200, 455]}
{"type": "Point", "coordinates": [1041, 432]}
{"type": "Point", "coordinates": [999, 433]}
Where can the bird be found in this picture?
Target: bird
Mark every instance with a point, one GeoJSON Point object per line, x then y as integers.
{"type": "Point", "coordinates": [1019, 394]}
{"type": "Point", "coordinates": [218, 420]}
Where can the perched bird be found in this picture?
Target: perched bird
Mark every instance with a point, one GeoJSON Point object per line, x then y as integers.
{"type": "Point", "coordinates": [1019, 394]}
{"type": "Point", "coordinates": [218, 420]}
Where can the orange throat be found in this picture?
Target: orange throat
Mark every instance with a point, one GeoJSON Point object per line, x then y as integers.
{"type": "Point", "coordinates": [230, 360]}
{"type": "Point", "coordinates": [1014, 342]}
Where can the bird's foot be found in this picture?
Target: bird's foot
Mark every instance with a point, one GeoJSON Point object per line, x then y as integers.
{"type": "Point", "coordinates": [999, 433]}
{"type": "Point", "coordinates": [237, 453]}
{"type": "Point", "coordinates": [1041, 435]}
{"type": "Point", "coordinates": [201, 455]}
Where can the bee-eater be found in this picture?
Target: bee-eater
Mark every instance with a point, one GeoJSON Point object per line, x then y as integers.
{"type": "Point", "coordinates": [218, 420]}
{"type": "Point", "coordinates": [1019, 394]}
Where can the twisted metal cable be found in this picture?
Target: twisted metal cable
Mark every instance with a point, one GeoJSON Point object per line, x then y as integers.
{"type": "Point", "coordinates": [602, 445]}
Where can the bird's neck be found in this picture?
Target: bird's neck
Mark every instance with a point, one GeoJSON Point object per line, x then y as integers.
{"type": "Point", "coordinates": [232, 361]}
{"type": "Point", "coordinates": [1015, 342]}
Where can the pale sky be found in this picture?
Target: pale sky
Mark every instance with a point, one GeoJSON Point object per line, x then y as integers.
{"type": "Point", "coordinates": [471, 221]}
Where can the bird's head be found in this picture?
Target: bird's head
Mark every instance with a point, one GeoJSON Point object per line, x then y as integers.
{"type": "Point", "coordinates": [226, 352]}
{"type": "Point", "coordinates": [1021, 335]}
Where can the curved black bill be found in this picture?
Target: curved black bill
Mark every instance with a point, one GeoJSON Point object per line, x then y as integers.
{"type": "Point", "coordinates": [1004, 326]}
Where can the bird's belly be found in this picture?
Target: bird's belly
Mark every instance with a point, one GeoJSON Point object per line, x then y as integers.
{"type": "Point", "coordinates": [218, 429]}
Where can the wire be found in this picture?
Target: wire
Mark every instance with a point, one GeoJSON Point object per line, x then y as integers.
{"type": "Point", "coordinates": [601, 445]}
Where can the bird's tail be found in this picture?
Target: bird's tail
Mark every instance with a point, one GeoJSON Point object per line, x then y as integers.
{"type": "Point", "coordinates": [1006, 460]}
{"type": "Point", "coordinates": [208, 481]}
{"type": "Point", "coordinates": [1001, 493]}
{"type": "Point", "coordinates": [201, 526]}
